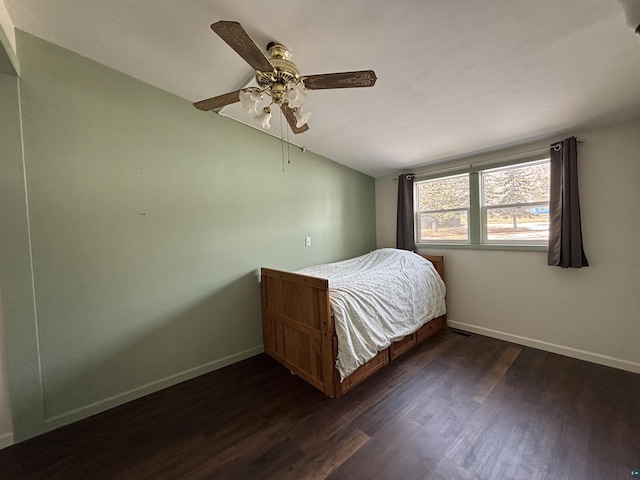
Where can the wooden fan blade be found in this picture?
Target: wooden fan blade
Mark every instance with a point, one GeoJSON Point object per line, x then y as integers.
{"type": "Point", "coordinates": [291, 120]}
{"type": "Point", "coordinates": [218, 102]}
{"type": "Point", "coordinates": [240, 41]}
{"type": "Point", "coordinates": [363, 78]}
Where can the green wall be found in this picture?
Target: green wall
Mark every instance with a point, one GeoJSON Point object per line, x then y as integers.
{"type": "Point", "coordinates": [148, 222]}
{"type": "Point", "coordinates": [15, 269]}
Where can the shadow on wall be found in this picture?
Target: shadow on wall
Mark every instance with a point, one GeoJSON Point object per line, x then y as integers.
{"type": "Point", "coordinates": [219, 329]}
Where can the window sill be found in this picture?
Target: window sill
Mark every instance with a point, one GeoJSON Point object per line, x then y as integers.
{"type": "Point", "coordinates": [482, 246]}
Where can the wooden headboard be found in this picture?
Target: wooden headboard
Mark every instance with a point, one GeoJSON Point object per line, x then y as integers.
{"type": "Point", "coordinates": [438, 262]}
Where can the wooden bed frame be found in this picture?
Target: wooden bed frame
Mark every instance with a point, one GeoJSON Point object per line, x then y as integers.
{"type": "Point", "coordinates": [299, 331]}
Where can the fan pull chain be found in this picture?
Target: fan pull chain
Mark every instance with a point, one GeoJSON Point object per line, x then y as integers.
{"type": "Point", "coordinates": [288, 148]}
{"type": "Point", "coordinates": [281, 141]}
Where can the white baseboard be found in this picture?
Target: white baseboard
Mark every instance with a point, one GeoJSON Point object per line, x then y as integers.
{"type": "Point", "coordinates": [124, 397]}
{"type": "Point", "coordinates": [549, 347]}
{"type": "Point", "coordinates": [6, 440]}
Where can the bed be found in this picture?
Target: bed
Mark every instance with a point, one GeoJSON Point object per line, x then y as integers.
{"type": "Point", "coordinates": [301, 327]}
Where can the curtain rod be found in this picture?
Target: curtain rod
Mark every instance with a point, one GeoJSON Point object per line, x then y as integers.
{"type": "Point", "coordinates": [492, 159]}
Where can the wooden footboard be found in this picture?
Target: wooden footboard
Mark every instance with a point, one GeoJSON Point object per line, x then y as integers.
{"type": "Point", "coordinates": [298, 325]}
{"type": "Point", "coordinates": [299, 330]}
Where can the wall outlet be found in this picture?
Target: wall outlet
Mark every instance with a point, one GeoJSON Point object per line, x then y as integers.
{"type": "Point", "coordinates": [307, 241]}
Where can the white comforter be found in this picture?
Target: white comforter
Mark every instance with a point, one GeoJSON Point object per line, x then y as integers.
{"type": "Point", "coordinates": [379, 298]}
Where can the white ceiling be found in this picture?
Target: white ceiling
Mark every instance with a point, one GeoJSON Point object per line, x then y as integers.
{"type": "Point", "coordinates": [455, 77]}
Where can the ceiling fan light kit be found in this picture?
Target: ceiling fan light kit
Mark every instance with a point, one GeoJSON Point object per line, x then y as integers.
{"type": "Point", "coordinates": [278, 78]}
{"type": "Point", "coordinates": [283, 85]}
{"type": "Point", "coordinates": [301, 117]}
{"type": "Point", "coordinates": [249, 99]}
{"type": "Point", "coordinates": [264, 118]}
{"type": "Point", "coordinates": [296, 95]}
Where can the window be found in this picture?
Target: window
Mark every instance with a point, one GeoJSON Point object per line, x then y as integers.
{"type": "Point", "coordinates": [443, 209]}
{"type": "Point", "coordinates": [507, 205]}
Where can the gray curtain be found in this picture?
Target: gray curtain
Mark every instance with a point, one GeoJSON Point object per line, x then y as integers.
{"type": "Point", "coordinates": [565, 230]}
{"type": "Point", "coordinates": [405, 238]}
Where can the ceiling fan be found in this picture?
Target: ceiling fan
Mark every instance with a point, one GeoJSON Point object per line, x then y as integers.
{"type": "Point", "coordinates": [278, 78]}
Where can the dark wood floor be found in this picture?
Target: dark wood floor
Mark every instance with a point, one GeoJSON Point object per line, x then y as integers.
{"type": "Point", "coordinates": [454, 408]}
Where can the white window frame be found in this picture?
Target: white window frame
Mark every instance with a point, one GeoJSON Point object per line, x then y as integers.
{"type": "Point", "coordinates": [477, 211]}
{"type": "Point", "coordinates": [419, 213]}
